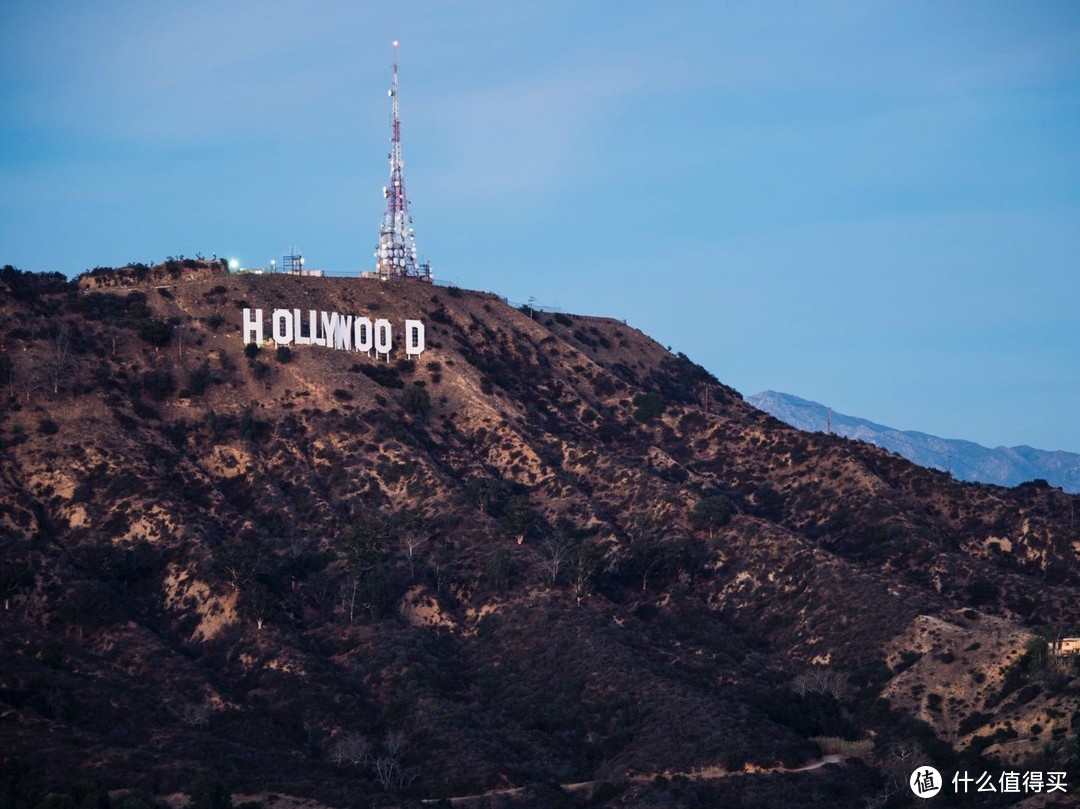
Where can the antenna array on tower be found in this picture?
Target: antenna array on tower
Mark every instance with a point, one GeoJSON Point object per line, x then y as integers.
{"type": "Point", "coordinates": [396, 254]}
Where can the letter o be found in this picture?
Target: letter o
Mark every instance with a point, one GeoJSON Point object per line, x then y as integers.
{"type": "Point", "coordinates": [384, 340]}
{"type": "Point", "coordinates": [282, 326]}
{"type": "Point", "coordinates": [363, 339]}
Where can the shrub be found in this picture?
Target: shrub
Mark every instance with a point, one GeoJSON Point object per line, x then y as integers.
{"type": "Point", "coordinates": [416, 400]}
{"type": "Point", "coordinates": [583, 338]}
{"type": "Point", "coordinates": [498, 571]}
{"type": "Point", "coordinates": [48, 427]}
{"type": "Point", "coordinates": [251, 350]}
{"type": "Point", "coordinates": [157, 331]}
{"type": "Point", "coordinates": [158, 383]}
{"type": "Point", "coordinates": [283, 354]}
{"type": "Point", "coordinates": [440, 315]}
{"type": "Point", "coordinates": [28, 286]}
{"type": "Point", "coordinates": [198, 379]}
{"type": "Point", "coordinates": [384, 375]}
{"type": "Point", "coordinates": [648, 406]}
{"type": "Point", "coordinates": [89, 604]}
{"type": "Point", "coordinates": [769, 503]}
{"type": "Point", "coordinates": [602, 385]}
{"type": "Point", "coordinates": [711, 513]}
{"type": "Point", "coordinates": [982, 591]}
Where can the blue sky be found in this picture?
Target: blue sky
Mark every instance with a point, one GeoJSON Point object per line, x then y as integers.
{"type": "Point", "coordinates": [873, 205]}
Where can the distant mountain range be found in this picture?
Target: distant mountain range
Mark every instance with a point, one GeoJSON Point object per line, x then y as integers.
{"type": "Point", "coordinates": [1005, 466]}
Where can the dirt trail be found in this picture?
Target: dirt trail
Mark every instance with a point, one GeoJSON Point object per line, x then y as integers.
{"type": "Point", "coordinates": [704, 774]}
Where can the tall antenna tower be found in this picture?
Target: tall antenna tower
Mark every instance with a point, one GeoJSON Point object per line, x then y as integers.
{"type": "Point", "coordinates": [396, 256]}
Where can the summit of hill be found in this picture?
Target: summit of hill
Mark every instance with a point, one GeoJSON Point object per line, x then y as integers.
{"type": "Point", "coordinates": [547, 562]}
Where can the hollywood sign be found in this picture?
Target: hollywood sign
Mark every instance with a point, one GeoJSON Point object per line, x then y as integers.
{"type": "Point", "coordinates": [330, 329]}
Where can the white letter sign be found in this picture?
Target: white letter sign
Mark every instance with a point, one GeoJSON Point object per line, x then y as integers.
{"type": "Point", "coordinates": [333, 330]}
{"type": "Point", "coordinates": [364, 334]}
{"type": "Point", "coordinates": [414, 337]}
{"type": "Point", "coordinates": [282, 329]}
{"type": "Point", "coordinates": [383, 338]}
{"type": "Point", "coordinates": [342, 330]}
{"type": "Point", "coordinates": [253, 324]}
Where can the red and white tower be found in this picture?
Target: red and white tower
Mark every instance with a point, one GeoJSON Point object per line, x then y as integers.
{"type": "Point", "coordinates": [396, 256]}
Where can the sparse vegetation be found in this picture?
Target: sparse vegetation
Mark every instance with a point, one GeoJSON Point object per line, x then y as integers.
{"type": "Point", "coordinates": [260, 582]}
{"type": "Point", "coordinates": [199, 378]}
{"type": "Point", "coordinates": [416, 400]}
{"type": "Point", "coordinates": [834, 745]}
{"type": "Point", "coordinates": [648, 406]}
{"type": "Point", "coordinates": [157, 331]}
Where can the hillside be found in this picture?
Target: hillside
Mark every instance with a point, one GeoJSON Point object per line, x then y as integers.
{"type": "Point", "coordinates": [971, 462]}
{"type": "Point", "coordinates": [527, 558]}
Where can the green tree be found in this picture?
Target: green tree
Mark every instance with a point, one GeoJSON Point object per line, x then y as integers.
{"type": "Point", "coordinates": [488, 494]}
{"type": "Point", "coordinates": [373, 584]}
{"type": "Point", "coordinates": [367, 542]}
{"type": "Point", "coordinates": [710, 513]}
{"type": "Point", "coordinates": [645, 553]}
{"type": "Point", "coordinates": [1037, 652]}
{"type": "Point", "coordinates": [648, 406]}
{"type": "Point", "coordinates": [645, 558]}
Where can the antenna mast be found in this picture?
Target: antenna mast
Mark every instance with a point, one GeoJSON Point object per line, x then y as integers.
{"type": "Point", "coordinates": [396, 256]}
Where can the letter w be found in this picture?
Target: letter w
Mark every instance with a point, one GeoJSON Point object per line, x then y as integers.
{"type": "Point", "coordinates": [341, 327]}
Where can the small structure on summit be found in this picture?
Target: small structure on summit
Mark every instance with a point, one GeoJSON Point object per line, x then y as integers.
{"type": "Point", "coordinates": [292, 263]}
{"type": "Point", "coordinates": [396, 254]}
{"type": "Point", "coordinates": [1066, 647]}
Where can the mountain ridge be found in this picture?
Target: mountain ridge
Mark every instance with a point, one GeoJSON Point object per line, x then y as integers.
{"type": "Point", "coordinates": [531, 556]}
{"type": "Point", "coordinates": [971, 462]}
